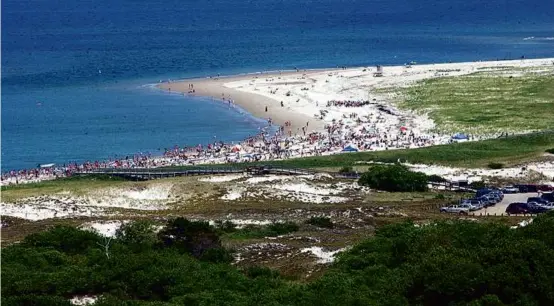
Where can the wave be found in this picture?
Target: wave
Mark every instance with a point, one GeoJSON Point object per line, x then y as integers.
{"type": "Point", "coordinates": [539, 38]}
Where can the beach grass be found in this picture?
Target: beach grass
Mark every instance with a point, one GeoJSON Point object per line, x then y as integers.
{"type": "Point", "coordinates": [76, 185]}
{"type": "Point", "coordinates": [485, 102]}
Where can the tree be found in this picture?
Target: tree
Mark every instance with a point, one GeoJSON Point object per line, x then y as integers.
{"type": "Point", "coordinates": [137, 235]}
{"type": "Point", "coordinates": [393, 178]}
{"type": "Point", "coordinates": [193, 237]}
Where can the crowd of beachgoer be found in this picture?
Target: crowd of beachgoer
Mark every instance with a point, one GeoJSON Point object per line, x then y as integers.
{"type": "Point", "coordinates": [371, 132]}
{"type": "Point", "coordinates": [347, 103]}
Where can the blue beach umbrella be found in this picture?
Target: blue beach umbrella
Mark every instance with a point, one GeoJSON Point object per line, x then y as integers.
{"type": "Point", "coordinates": [460, 136]}
{"type": "Point", "coordinates": [350, 148]}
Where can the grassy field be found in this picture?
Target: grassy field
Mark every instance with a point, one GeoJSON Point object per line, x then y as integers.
{"type": "Point", "coordinates": [485, 102]}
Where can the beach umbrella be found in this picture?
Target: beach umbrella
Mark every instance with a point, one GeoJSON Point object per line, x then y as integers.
{"type": "Point", "coordinates": [236, 148]}
{"type": "Point", "coordinates": [350, 148]}
{"type": "Point", "coordinates": [460, 136]}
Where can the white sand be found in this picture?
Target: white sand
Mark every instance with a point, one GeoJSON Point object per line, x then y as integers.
{"type": "Point", "coordinates": [83, 300]}
{"type": "Point", "coordinates": [322, 255]}
{"type": "Point", "coordinates": [357, 84]}
{"type": "Point", "coordinates": [46, 210]}
{"type": "Point", "coordinates": [222, 178]}
{"type": "Point", "coordinates": [98, 203]}
{"type": "Point", "coordinates": [151, 192]}
{"type": "Point", "coordinates": [472, 175]}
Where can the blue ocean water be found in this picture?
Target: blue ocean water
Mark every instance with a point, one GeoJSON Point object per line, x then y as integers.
{"type": "Point", "coordinates": [73, 72]}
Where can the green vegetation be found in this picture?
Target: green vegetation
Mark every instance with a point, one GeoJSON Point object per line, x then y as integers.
{"type": "Point", "coordinates": [261, 231]}
{"type": "Point", "coordinates": [436, 178]}
{"type": "Point", "coordinates": [483, 103]}
{"type": "Point", "coordinates": [322, 222]}
{"type": "Point", "coordinates": [396, 178]}
{"type": "Point", "coordinates": [551, 151]}
{"type": "Point", "coordinates": [77, 185]}
{"type": "Point", "coordinates": [477, 185]}
{"type": "Point", "coordinates": [449, 263]}
{"type": "Point", "coordinates": [495, 165]}
{"type": "Point", "coordinates": [346, 169]}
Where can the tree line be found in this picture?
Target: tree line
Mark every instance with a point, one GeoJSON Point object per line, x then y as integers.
{"type": "Point", "coordinates": [443, 263]}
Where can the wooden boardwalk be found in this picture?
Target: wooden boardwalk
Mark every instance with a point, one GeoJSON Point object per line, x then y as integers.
{"type": "Point", "coordinates": [143, 174]}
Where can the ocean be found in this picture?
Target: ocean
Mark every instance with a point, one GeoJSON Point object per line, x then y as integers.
{"type": "Point", "coordinates": [77, 75]}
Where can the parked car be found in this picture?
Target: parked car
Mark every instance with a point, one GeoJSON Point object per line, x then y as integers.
{"type": "Point", "coordinates": [474, 202]}
{"type": "Point", "coordinates": [548, 206]}
{"type": "Point", "coordinates": [548, 196]}
{"type": "Point", "coordinates": [545, 188]}
{"type": "Point", "coordinates": [538, 200]}
{"type": "Point", "coordinates": [496, 197]}
{"type": "Point", "coordinates": [483, 191]}
{"type": "Point", "coordinates": [457, 209]}
{"type": "Point", "coordinates": [524, 208]}
{"type": "Point", "coordinates": [489, 200]}
{"type": "Point", "coordinates": [471, 207]}
{"type": "Point", "coordinates": [510, 189]}
{"type": "Point", "coordinates": [527, 188]}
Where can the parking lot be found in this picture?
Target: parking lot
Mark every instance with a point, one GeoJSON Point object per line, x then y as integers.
{"type": "Point", "coordinates": [500, 208]}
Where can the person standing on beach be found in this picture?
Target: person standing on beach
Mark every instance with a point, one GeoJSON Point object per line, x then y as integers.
{"type": "Point", "coordinates": [266, 109]}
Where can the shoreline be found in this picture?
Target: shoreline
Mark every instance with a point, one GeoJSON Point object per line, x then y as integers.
{"type": "Point", "coordinates": [257, 90]}
{"type": "Point", "coordinates": [254, 104]}
{"type": "Point", "coordinates": [331, 111]}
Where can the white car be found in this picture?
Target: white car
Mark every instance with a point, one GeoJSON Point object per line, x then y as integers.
{"type": "Point", "coordinates": [473, 204]}
{"type": "Point", "coordinates": [456, 209]}
{"type": "Point", "coordinates": [510, 189]}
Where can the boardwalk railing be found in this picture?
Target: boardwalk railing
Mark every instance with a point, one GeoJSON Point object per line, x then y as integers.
{"type": "Point", "coordinates": [147, 174]}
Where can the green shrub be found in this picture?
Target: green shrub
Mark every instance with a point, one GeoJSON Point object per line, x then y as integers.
{"type": "Point", "coordinates": [281, 228]}
{"type": "Point", "coordinates": [395, 178]}
{"type": "Point", "coordinates": [217, 255]}
{"type": "Point", "coordinates": [346, 169]}
{"type": "Point", "coordinates": [258, 271]}
{"type": "Point", "coordinates": [321, 222]}
{"type": "Point", "coordinates": [440, 196]}
{"type": "Point", "coordinates": [449, 263]}
{"type": "Point", "coordinates": [495, 165]}
{"type": "Point", "coordinates": [478, 185]}
{"type": "Point", "coordinates": [225, 226]}
{"type": "Point", "coordinates": [137, 234]}
{"type": "Point", "coordinates": [261, 231]}
{"type": "Point", "coordinates": [193, 237]}
{"type": "Point", "coordinates": [436, 178]}
{"type": "Point", "coordinates": [551, 151]}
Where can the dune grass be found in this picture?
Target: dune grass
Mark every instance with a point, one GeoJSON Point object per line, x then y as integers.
{"type": "Point", "coordinates": [75, 185]}
{"type": "Point", "coordinates": [485, 103]}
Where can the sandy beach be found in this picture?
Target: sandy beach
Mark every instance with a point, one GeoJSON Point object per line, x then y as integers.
{"type": "Point", "coordinates": [218, 88]}
{"type": "Point", "coordinates": [329, 111]}
{"type": "Point", "coordinates": [305, 93]}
